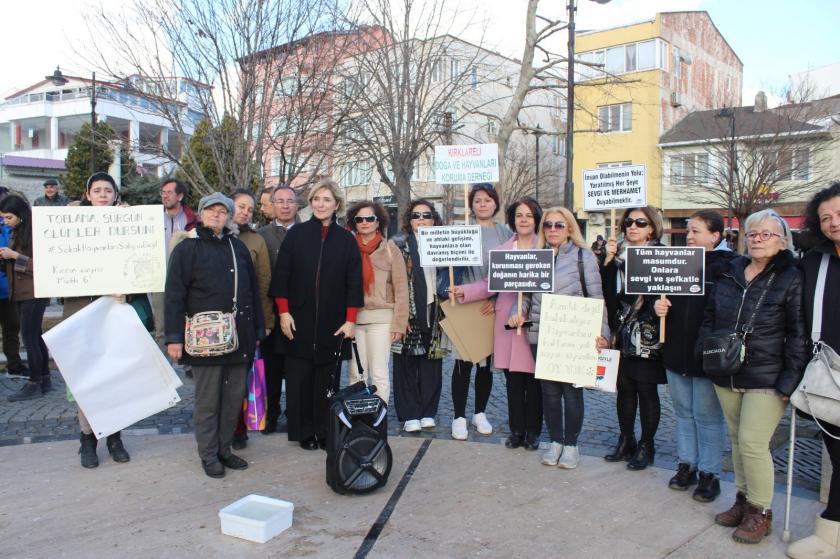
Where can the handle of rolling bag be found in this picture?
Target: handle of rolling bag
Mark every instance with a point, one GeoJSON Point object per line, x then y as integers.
{"type": "Point", "coordinates": [336, 372]}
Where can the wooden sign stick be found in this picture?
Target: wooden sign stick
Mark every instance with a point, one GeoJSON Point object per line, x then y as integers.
{"type": "Point", "coordinates": [466, 204]}
{"type": "Point", "coordinates": [612, 224]}
{"type": "Point", "coordinates": [452, 284]}
{"type": "Point", "coordinates": [519, 311]}
{"type": "Point", "coordinates": [662, 323]}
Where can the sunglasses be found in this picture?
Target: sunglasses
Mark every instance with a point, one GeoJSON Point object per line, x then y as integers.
{"type": "Point", "coordinates": [640, 222]}
{"type": "Point", "coordinates": [365, 218]}
{"type": "Point", "coordinates": [553, 225]}
{"type": "Point", "coordinates": [422, 215]}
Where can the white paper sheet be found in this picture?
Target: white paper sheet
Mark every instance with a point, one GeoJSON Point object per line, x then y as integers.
{"type": "Point", "coordinates": [113, 367]}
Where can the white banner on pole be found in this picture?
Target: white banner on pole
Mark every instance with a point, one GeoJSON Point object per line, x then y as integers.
{"type": "Point", "coordinates": [87, 250]}
{"type": "Point", "coordinates": [466, 163]}
{"type": "Point", "coordinates": [614, 187]}
{"type": "Point", "coordinates": [113, 367]}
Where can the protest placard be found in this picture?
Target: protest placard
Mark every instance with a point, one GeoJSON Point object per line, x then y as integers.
{"type": "Point", "coordinates": [614, 187]}
{"type": "Point", "coordinates": [568, 329]}
{"type": "Point", "coordinates": [88, 250]}
{"type": "Point", "coordinates": [665, 271]}
{"type": "Point", "coordinates": [525, 271]}
{"type": "Point", "coordinates": [606, 371]}
{"type": "Point", "coordinates": [466, 163]}
{"type": "Point", "coordinates": [450, 246]}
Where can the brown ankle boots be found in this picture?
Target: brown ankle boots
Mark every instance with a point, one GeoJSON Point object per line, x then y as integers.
{"type": "Point", "coordinates": [756, 524]}
{"type": "Point", "coordinates": [733, 517]}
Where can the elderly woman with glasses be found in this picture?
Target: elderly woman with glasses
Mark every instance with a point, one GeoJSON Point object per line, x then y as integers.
{"type": "Point", "coordinates": [760, 297]}
{"type": "Point", "coordinates": [384, 317]}
{"type": "Point", "coordinates": [640, 370]}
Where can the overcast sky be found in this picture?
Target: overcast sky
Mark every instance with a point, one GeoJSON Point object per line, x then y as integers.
{"type": "Point", "coordinates": [772, 38]}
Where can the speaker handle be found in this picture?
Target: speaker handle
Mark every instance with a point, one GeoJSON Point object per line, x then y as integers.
{"type": "Point", "coordinates": [337, 367]}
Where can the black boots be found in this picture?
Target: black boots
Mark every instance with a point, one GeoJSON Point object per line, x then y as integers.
{"type": "Point", "coordinates": [708, 489]}
{"type": "Point", "coordinates": [88, 450]}
{"type": "Point", "coordinates": [515, 440]}
{"type": "Point", "coordinates": [29, 391]}
{"type": "Point", "coordinates": [623, 450]}
{"type": "Point", "coordinates": [685, 477]}
{"type": "Point", "coordinates": [643, 456]}
{"type": "Point", "coordinates": [531, 441]}
{"type": "Point", "coordinates": [116, 448]}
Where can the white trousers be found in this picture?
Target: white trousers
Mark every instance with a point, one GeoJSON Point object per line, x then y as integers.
{"type": "Point", "coordinates": [374, 343]}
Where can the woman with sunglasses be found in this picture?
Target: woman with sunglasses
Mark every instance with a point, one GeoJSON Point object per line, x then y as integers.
{"type": "Point", "coordinates": [762, 290]}
{"type": "Point", "coordinates": [700, 436]}
{"type": "Point", "coordinates": [576, 273]}
{"type": "Point", "coordinates": [484, 202]}
{"type": "Point", "coordinates": [639, 373]}
{"type": "Point", "coordinates": [384, 317]}
{"type": "Point", "coordinates": [512, 352]}
{"type": "Point", "coordinates": [418, 359]}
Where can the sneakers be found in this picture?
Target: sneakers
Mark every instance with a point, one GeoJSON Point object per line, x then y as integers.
{"type": "Point", "coordinates": [30, 391]}
{"type": "Point", "coordinates": [708, 489]}
{"type": "Point", "coordinates": [481, 424]}
{"type": "Point", "coordinates": [459, 429]}
{"type": "Point", "coordinates": [427, 423]}
{"type": "Point", "coordinates": [685, 477]}
{"type": "Point", "coordinates": [17, 373]}
{"type": "Point", "coordinates": [412, 426]}
{"type": "Point", "coordinates": [570, 458]}
{"type": "Point", "coordinates": [552, 455]}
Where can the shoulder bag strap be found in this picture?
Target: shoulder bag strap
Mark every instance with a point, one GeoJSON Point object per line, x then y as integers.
{"type": "Point", "coordinates": [816, 320]}
{"type": "Point", "coordinates": [235, 274]}
{"type": "Point", "coordinates": [581, 275]}
{"type": "Point", "coordinates": [747, 328]}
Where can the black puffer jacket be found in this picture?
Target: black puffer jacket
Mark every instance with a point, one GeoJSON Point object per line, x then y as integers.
{"type": "Point", "coordinates": [200, 278]}
{"type": "Point", "coordinates": [686, 316]}
{"type": "Point", "coordinates": [777, 348]}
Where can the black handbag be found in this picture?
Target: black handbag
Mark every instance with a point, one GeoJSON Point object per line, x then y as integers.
{"type": "Point", "coordinates": [639, 337]}
{"type": "Point", "coordinates": [724, 351]}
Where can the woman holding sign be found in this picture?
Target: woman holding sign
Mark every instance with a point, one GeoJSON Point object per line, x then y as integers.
{"type": "Point", "coordinates": [576, 273]}
{"type": "Point", "coordinates": [640, 369]}
{"type": "Point", "coordinates": [484, 202]}
{"type": "Point", "coordinates": [511, 350]}
{"type": "Point", "coordinates": [700, 437]}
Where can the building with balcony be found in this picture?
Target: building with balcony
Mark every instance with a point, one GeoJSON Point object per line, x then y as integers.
{"type": "Point", "coordinates": [634, 82]}
{"type": "Point", "coordinates": [39, 123]}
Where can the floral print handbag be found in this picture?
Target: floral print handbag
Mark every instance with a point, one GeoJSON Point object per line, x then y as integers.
{"type": "Point", "coordinates": [213, 333]}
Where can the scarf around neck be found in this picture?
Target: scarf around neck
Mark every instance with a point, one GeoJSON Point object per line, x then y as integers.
{"type": "Point", "coordinates": [367, 266]}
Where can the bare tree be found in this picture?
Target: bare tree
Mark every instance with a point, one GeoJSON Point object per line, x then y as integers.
{"type": "Point", "coordinates": [226, 52]}
{"type": "Point", "coordinates": [745, 159]}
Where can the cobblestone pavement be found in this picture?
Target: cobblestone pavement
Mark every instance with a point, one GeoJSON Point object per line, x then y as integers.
{"type": "Point", "coordinates": [53, 418]}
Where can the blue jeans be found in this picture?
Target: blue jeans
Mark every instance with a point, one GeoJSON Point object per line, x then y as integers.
{"type": "Point", "coordinates": [700, 425]}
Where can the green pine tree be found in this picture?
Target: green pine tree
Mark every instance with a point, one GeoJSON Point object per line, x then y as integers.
{"type": "Point", "coordinates": [77, 162]}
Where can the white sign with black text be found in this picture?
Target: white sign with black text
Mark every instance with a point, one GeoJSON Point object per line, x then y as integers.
{"type": "Point", "coordinates": [614, 187]}
{"type": "Point", "coordinates": [450, 246]}
{"type": "Point", "coordinates": [466, 164]}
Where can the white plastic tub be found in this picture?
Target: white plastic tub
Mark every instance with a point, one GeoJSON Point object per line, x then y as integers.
{"type": "Point", "coordinates": [256, 518]}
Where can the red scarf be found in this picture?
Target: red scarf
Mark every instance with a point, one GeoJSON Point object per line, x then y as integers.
{"type": "Point", "coordinates": [367, 266]}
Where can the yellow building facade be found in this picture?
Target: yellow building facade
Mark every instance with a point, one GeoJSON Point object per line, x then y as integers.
{"type": "Point", "coordinates": [634, 82]}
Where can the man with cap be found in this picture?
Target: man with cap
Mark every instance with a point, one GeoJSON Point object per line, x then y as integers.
{"type": "Point", "coordinates": [205, 273]}
{"type": "Point", "coordinates": [51, 197]}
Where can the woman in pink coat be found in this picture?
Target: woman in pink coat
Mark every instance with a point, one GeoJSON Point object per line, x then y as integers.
{"type": "Point", "coordinates": [511, 352]}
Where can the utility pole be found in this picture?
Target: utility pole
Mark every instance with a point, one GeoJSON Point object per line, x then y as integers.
{"type": "Point", "coordinates": [93, 125]}
{"type": "Point", "coordinates": [569, 185]}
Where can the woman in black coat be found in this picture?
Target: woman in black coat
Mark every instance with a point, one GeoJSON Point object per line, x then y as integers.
{"type": "Point", "coordinates": [317, 285]}
{"type": "Point", "coordinates": [638, 376]}
{"type": "Point", "coordinates": [201, 277]}
{"type": "Point", "coordinates": [822, 218]}
{"type": "Point", "coordinates": [775, 352]}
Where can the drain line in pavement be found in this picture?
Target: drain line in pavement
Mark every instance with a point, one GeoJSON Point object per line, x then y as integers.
{"type": "Point", "coordinates": [382, 519]}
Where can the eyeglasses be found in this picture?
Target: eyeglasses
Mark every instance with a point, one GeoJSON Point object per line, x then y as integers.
{"type": "Point", "coordinates": [640, 222]}
{"type": "Point", "coordinates": [764, 235]}
{"type": "Point", "coordinates": [220, 211]}
{"type": "Point", "coordinates": [365, 219]}
{"type": "Point", "coordinates": [547, 225]}
{"type": "Point", "coordinates": [422, 215]}
{"type": "Point", "coordinates": [167, 193]}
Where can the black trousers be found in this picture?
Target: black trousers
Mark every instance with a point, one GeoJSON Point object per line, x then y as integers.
{"type": "Point", "coordinates": [274, 374]}
{"type": "Point", "coordinates": [307, 407]}
{"type": "Point", "coordinates": [10, 324]}
{"type": "Point", "coordinates": [31, 315]}
{"type": "Point", "coordinates": [629, 394]}
{"type": "Point", "coordinates": [218, 403]}
{"type": "Point", "coordinates": [524, 403]}
{"type": "Point", "coordinates": [461, 386]}
{"type": "Point", "coordinates": [417, 385]}
{"type": "Point", "coordinates": [832, 509]}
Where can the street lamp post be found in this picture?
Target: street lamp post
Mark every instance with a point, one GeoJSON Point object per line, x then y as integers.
{"type": "Point", "coordinates": [58, 79]}
{"type": "Point", "coordinates": [729, 112]}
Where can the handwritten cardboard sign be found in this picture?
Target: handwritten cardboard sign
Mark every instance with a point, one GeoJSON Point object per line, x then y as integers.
{"type": "Point", "coordinates": [665, 271]}
{"type": "Point", "coordinates": [450, 246]}
{"type": "Point", "coordinates": [528, 271]}
{"type": "Point", "coordinates": [87, 250]}
{"type": "Point", "coordinates": [566, 349]}
{"type": "Point", "coordinates": [466, 163]}
{"type": "Point", "coordinates": [614, 187]}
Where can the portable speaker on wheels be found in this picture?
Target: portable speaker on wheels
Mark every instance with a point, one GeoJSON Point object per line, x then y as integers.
{"type": "Point", "coordinates": [358, 456]}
